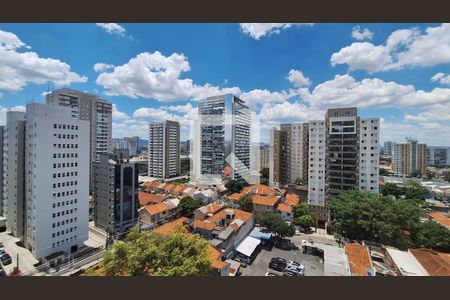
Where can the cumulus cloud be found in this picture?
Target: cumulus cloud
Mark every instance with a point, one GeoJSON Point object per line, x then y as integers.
{"type": "Point", "coordinates": [437, 112]}
{"type": "Point", "coordinates": [155, 76]}
{"type": "Point", "coordinates": [116, 114]}
{"type": "Point", "coordinates": [100, 67]}
{"type": "Point", "coordinates": [344, 90]}
{"type": "Point", "coordinates": [259, 30]}
{"type": "Point", "coordinates": [258, 97]}
{"type": "Point", "coordinates": [297, 78]}
{"type": "Point", "coordinates": [403, 48]}
{"type": "Point", "coordinates": [112, 28]}
{"type": "Point", "coordinates": [17, 69]}
{"type": "Point", "coordinates": [180, 108]}
{"type": "Point", "coordinates": [361, 34]}
{"type": "Point", "coordinates": [441, 78]}
{"type": "Point", "coordinates": [431, 133]}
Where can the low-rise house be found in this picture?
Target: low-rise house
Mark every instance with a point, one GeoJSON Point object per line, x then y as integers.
{"type": "Point", "coordinates": [406, 263]}
{"type": "Point", "coordinates": [207, 211]}
{"type": "Point", "coordinates": [189, 191]}
{"type": "Point", "coordinates": [381, 261]}
{"type": "Point", "coordinates": [153, 213]}
{"type": "Point", "coordinates": [148, 198]}
{"type": "Point", "coordinates": [234, 199]}
{"type": "Point", "coordinates": [207, 195]}
{"type": "Point", "coordinates": [440, 218]}
{"type": "Point", "coordinates": [264, 204]}
{"type": "Point", "coordinates": [260, 189]}
{"type": "Point", "coordinates": [286, 211]}
{"type": "Point", "coordinates": [359, 259]}
{"type": "Point", "coordinates": [150, 185]}
{"type": "Point", "coordinates": [292, 199]}
{"type": "Point", "coordinates": [435, 263]}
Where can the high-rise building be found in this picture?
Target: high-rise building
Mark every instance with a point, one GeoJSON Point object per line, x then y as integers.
{"type": "Point", "coordinates": [388, 148]}
{"type": "Point", "coordinates": [91, 108]}
{"type": "Point", "coordinates": [409, 158]}
{"type": "Point", "coordinates": [290, 154]}
{"type": "Point", "coordinates": [47, 178]}
{"type": "Point", "coordinates": [264, 156]}
{"type": "Point", "coordinates": [119, 144]}
{"type": "Point", "coordinates": [115, 193]}
{"type": "Point", "coordinates": [164, 149]}
{"type": "Point", "coordinates": [1, 170]}
{"type": "Point", "coordinates": [438, 156]}
{"type": "Point", "coordinates": [132, 143]}
{"type": "Point", "coordinates": [221, 146]}
{"type": "Point", "coordinates": [343, 155]}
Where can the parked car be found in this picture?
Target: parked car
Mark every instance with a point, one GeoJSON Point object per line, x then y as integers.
{"type": "Point", "coordinates": [289, 273]}
{"type": "Point", "coordinates": [276, 266]}
{"type": "Point", "coordinates": [279, 260]}
{"type": "Point", "coordinates": [270, 274]}
{"type": "Point", "coordinates": [5, 259]}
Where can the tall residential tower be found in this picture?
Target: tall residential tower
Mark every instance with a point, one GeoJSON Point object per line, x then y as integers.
{"type": "Point", "coordinates": [164, 149]}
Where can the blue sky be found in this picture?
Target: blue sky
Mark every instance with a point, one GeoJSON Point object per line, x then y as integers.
{"type": "Point", "coordinates": [286, 72]}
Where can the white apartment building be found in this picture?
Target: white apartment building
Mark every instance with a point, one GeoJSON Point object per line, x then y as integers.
{"type": "Point", "coordinates": [369, 154]}
{"type": "Point", "coordinates": [164, 149]}
{"type": "Point", "coordinates": [438, 156]}
{"type": "Point", "coordinates": [316, 167]}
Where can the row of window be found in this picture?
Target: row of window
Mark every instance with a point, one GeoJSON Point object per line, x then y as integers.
{"type": "Point", "coordinates": [62, 203]}
{"type": "Point", "coordinates": [62, 232]}
{"type": "Point", "coordinates": [64, 165]}
{"type": "Point", "coordinates": [67, 174]}
{"type": "Point", "coordinates": [64, 126]}
{"type": "Point", "coordinates": [65, 146]}
{"type": "Point", "coordinates": [62, 213]}
{"type": "Point", "coordinates": [65, 136]}
{"type": "Point", "coordinates": [65, 155]}
{"type": "Point", "coordinates": [63, 184]}
{"type": "Point", "coordinates": [62, 194]}
{"type": "Point", "coordinates": [68, 221]}
{"type": "Point", "coordinates": [62, 242]}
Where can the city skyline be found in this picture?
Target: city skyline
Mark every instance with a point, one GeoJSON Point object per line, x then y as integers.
{"type": "Point", "coordinates": [287, 73]}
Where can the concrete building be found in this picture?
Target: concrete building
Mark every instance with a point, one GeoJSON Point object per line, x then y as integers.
{"type": "Point", "coordinates": [132, 143]}
{"type": "Point", "coordinates": [164, 149]}
{"type": "Point", "coordinates": [289, 154]}
{"type": "Point", "coordinates": [1, 170]}
{"type": "Point", "coordinates": [91, 108]}
{"type": "Point", "coordinates": [388, 148]}
{"type": "Point", "coordinates": [343, 155]}
{"type": "Point", "coordinates": [264, 156]}
{"type": "Point", "coordinates": [221, 140]}
{"type": "Point", "coordinates": [115, 193]}
{"type": "Point", "coordinates": [409, 158]}
{"type": "Point", "coordinates": [119, 144]}
{"type": "Point", "coordinates": [47, 180]}
{"type": "Point", "coordinates": [438, 156]}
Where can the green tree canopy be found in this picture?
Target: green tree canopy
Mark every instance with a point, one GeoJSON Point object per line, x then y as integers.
{"type": "Point", "coordinates": [148, 253]}
{"type": "Point", "coordinates": [414, 190]}
{"type": "Point", "coordinates": [435, 236]}
{"type": "Point", "coordinates": [391, 189]}
{"type": "Point", "coordinates": [301, 210]}
{"type": "Point", "coordinates": [384, 172]}
{"type": "Point", "coordinates": [234, 186]}
{"type": "Point", "coordinates": [301, 181]}
{"type": "Point", "coordinates": [275, 223]}
{"type": "Point", "coordinates": [246, 203]}
{"type": "Point", "coordinates": [188, 205]}
{"type": "Point", "coordinates": [305, 221]}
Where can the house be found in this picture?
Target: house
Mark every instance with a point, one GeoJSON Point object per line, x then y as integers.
{"type": "Point", "coordinates": [220, 267]}
{"type": "Point", "coordinates": [189, 191]}
{"type": "Point", "coordinates": [234, 199]}
{"type": "Point", "coordinates": [440, 218]}
{"type": "Point", "coordinates": [292, 199]}
{"type": "Point", "coordinates": [381, 260]}
{"type": "Point", "coordinates": [286, 212]}
{"type": "Point", "coordinates": [154, 213]}
{"type": "Point", "coordinates": [435, 263]}
{"type": "Point", "coordinates": [207, 195]}
{"type": "Point", "coordinates": [359, 259]}
{"type": "Point", "coordinates": [259, 189]}
{"type": "Point", "coordinates": [265, 204]}
{"type": "Point", "coordinates": [148, 198]}
{"type": "Point", "coordinates": [406, 263]}
{"type": "Point", "coordinates": [150, 185]}
{"type": "Point", "coordinates": [207, 211]}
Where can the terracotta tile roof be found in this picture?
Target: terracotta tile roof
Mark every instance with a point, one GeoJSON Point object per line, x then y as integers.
{"type": "Point", "coordinates": [168, 187]}
{"type": "Point", "coordinates": [236, 196]}
{"type": "Point", "coordinates": [211, 208]}
{"type": "Point", "coordinates": [214, 254]}
{"type": "Point", "coordinates": [284, 207]}
{"type": "Point", "coordinates": [238, 214]}
{"type": "Point", "coordinates": [259, 189]}
{"type": "Point", "coordinates": [436, 264]}
{"type": "Point", "coordinates": [146, 198]}
{"type": "Point", "coordinates": [265, 200]}
{"type": "Point", "coordinates": [170, 227]}
{"type": "Point", "coordinates": [358, 259]}
{"type": "Point", "coordinates": [179, 188]}
{"type": "Point", "coordinates": [204, 225]}
{"type": "Point", "coordinates": [443, 220]}
{"type": "Point", "coordinates": [292, 199]}
{"type": "Point", "coordinates": [151, 184]}
{"type": "Point", "coordinates": [155, 209]}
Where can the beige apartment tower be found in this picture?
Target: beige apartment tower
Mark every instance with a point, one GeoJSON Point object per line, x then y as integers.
{"type": "Point", "coordinates": [164, 149]}
{"type": "Point", "coordinates": [410, 158]}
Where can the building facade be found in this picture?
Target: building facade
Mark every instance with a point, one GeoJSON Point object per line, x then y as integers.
{"type": "Point", "coordinates": [388, 148]}
{"type": "Point", "coordinates": [91, 108]}
{"type": "Point", "coordinates": [164, 149]}
{"type": "Point", "coordinates": [1, 170]}
{"type": "Point", "coordinates": [115, 193]}
{"type": "Point", "coordinates": [47, 179]}
{"type": "Point", "coordinates": [264, 156]}
{"type": "Point", "coordinates": [410, 158]}
{"type": "Point", "coordinates": [132, 143]}
{"type": "Point", "coordinates": [221, 144]}
{"type": "Point", "coordinates": [438, 156]}
{"type": "Point", "coordinates": [343, 155]}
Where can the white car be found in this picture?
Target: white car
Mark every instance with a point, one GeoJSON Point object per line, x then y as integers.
{"type": "Point", "coordinates": [296, 267]}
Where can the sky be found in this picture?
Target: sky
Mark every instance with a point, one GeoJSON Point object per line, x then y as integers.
{"type": "Point", "coordinates": [286, 72]}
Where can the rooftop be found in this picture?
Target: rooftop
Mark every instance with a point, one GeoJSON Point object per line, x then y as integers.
{"type": "Point", "coordinates": [152, 184]}
{"type": "Point", "coordinates": [237, 214]}
{"type": "Point", "coordinates": [358, 258]}
{"type": "Point", "coordinates": [436, 264]}
{"type": "Point", "coordinates": [440, 219]}
{"type": "Point", "coordinates": [259, 189]}
{"type": "Point", "coordinates": [265, 200]}
{"type": "Point", "coordinates": [170, 227]}
{"type": "Point", "coordinates": [284, 208]}
{"type": "Point", "coordinates": [292, 199]}
{"type": "Point", "coordinates": [210, 208]}
{"type": "Point", "coordinates": [155, 209]}
{"type": "Point", "coordinates": [236, 196]}
{"type": "Point", "coordinates": [146, 198]}
{"type": "Point", "coordinates": [406, 263]}
{"type": "Point", "coordinates": [205, 225]}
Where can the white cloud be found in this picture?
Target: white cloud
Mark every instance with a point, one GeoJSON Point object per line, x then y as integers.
{"type": "Point", "coordinates": [431, 133]}
{"type": "Point", "coordinates": [112, 28]}
{"type": "Point", "coordinates": [3, 111]}
{"type": "Point", "coordinates": [344, 90]}
{"type": "Point", "coordinates": [297, 78]}
{"type": "Point", "coordinates": [361, 34]}
{"type": "Point", "coordinates": [403, 48]}
{"type": "Point", "coordinates": [437, 112]}
{"type": "Point", "coordinates": [17, 69]}
{"type": "Point", "coordinates": [155, 76]}
{"type": "Point", "coordinates": [259, 30]}
{"type": "Point", "coordinates": [116, 114]}
{"type": "Point", "coordinates": [258, 97]}
{"type": "Point", "coordinates": [441, 78]}
{"type": "Point", "coordinates": [100, 67]}
{"type": "Point", "coordinates": [179, 108]}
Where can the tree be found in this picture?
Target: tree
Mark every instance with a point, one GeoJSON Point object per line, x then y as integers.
{"type": "Point", "coordinates": [391, 189]}
{"type": "Point", "coordinates": [305, 221]}
{"type": "Point", "coordinates": [275, 223]}
{"type": "Point", "coordinates": [265, 172]}
{"type": "Point", "coordinates": [384, 172]}
{"type": "Point", "coordinates": [300, 210]}
{"type": "Point", "coordinates": [414, 190]}
{"type": "Point", "coordinates": [148, 253]}
{"type": "Point", "coordinates": [246, 203]}
{"type": "Point", "coordinates": [433, 235]}
{"type": "Point", "coordinates": [188, 205]}
{"type": "Point", "coordinates": [366, 216]}
{"type": "Point", "coordinates": [301, 181]}
{"type": "Point", "coordinates": [446, 175]}
{"type": "Point", "coordinates": [234, 186]}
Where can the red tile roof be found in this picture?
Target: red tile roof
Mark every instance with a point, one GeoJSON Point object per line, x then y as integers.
{"type": "Point", "coordinates": [358, 258]}
{"type": "Point", "coordinates": [204, 225]}
{"type": "Point", "coordinates": [146, 198]}
{"type": "Point", "coordinates": [151, 184]}
{"type": "Point", "coordinates": [443, 220]}
{"type": "Point", "coordinates": [292, 199]}
{"type": "Point", "coordinates": [265, 200]}
{"type": "Point", "coordinates": [212, 208]}
{"type": "Point", "coordinates": [236, 196]}
{"type": "Point", "coordinates": [436, 264]}
{"type": "Point", "coordinates": [238, 214]}
{"type": "Point", "coordinates": [259, 189]}
{"type": "Point", "coordinates": [170, 227]}
{"type": "Point", "coordinates": [284, 208]}
{"type": "Point", "coordinates": [155, 209]}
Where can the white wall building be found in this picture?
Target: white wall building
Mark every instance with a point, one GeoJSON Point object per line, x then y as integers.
{"type": "Point", "coordinates": [316, 168]}
{"type": "Point", "coordinates": [164, 149]}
